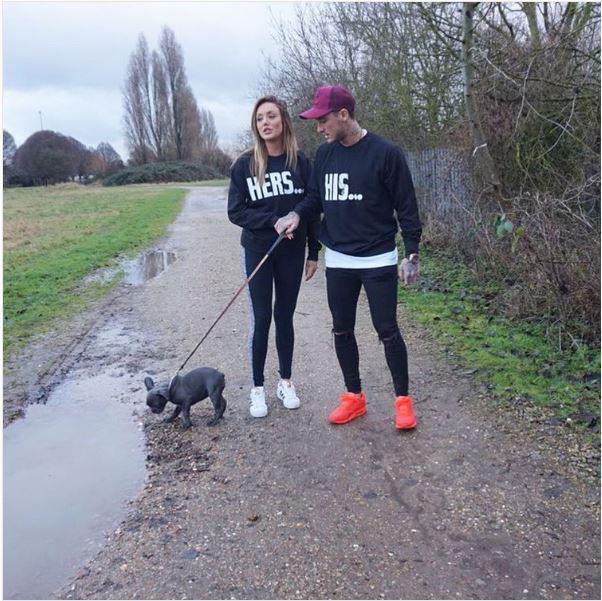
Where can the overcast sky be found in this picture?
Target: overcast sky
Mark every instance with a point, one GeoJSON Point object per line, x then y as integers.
{"type": "Point", "coordinates": [68, 60]}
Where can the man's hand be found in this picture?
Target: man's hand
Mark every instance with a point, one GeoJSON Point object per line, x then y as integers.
{"type": "Point", "coordinates": [310, 269]}
{"type": "Point", "coordinates": [409, 269]}
{"type": "Point", "coordinates": [287, 224]}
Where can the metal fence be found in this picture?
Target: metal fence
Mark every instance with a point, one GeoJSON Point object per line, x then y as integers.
{"type": "Point", "coordinates": [444, 187]}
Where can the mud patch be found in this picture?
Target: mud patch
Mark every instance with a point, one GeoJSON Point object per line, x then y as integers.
{"type": "Point", "coordinates": [69, 469]}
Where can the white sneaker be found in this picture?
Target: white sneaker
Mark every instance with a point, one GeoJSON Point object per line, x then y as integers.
{"type": "Point", "coordinates": [257, 406]}
{"type": "Point", "coordinates": [286, 393]}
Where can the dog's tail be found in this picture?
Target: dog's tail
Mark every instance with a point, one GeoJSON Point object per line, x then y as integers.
{"type": "Point", "coordinates": [222, 380]}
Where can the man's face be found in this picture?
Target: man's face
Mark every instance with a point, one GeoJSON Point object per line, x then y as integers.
{"type": "Point", "coordinates": [332, 127]}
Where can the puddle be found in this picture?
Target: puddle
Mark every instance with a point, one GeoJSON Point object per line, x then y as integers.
{"type": "Point", "coordinates": [147, 266]}
{"type": "Point", "coordinates": [137, 271]}
{"type": "Point", "coordinates": [69, 469]}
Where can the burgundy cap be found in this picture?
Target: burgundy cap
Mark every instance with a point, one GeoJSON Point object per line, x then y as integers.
{"type": "Point", "coordinates": [328, 99]}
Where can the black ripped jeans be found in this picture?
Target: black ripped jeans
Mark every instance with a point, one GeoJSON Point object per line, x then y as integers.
{"type": "Point", "coordinates": [380, 284]}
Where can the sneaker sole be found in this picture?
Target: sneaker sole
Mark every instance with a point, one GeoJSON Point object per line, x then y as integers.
{"type": "Point", "coordinates": [259, 416]}
{"type": "Point", "coordinates": [350, 418]}
{"type": "Point", "coordinates": [406, 427]}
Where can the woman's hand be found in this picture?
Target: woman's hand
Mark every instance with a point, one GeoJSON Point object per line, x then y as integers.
{"type": "Point", "coordinates": [288, 224]}
{"type": "Point", "coordinates": [310, 268]}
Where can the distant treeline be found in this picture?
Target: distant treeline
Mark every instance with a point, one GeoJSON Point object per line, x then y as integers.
{"type": "Point", "coordinates": [48, 157]}
{"type": "Point", "coordinates": [163, 123]}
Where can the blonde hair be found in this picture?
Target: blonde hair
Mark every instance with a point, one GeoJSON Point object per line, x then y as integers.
{"type": "Point", "coordinates": [259, 153]}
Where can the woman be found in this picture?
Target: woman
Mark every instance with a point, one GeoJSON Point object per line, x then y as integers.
{"type": "Point", "coordinates": [266, 182]}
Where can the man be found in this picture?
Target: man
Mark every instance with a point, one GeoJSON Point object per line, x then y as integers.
{"type": "Point", "coordinates": [362, 185]}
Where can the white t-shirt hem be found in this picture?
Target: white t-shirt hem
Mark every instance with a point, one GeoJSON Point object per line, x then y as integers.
{"type": "Point", "coordinates": [335, 259]}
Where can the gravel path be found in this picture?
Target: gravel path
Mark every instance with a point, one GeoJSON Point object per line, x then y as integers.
{"type": "Point", "coordinates": [291, 507]}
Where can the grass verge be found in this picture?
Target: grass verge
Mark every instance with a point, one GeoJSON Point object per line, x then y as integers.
{"type": "Point", "coordinates": [55, 236]}
{"type": "Point", "coordinates": [517, 360]}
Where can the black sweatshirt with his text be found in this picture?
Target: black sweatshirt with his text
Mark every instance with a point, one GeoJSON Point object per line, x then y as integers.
{"type": "Point", "coordinates": [366, 193]}
{"type": "Point", "coordinates": [256, 207]}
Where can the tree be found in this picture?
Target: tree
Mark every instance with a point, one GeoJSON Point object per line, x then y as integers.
{"type": "Point", "coordinates": [135, 102]}
{"type": "Point", "coordinates": [83, 157]}
{"type": "Point", "coordinates": [109, 155]}
{"type": "Point", "coordinates": [208, 133]}
{"type": "Point", "coordinates": [177, 84]}
{"type": "Point", "coordinates": [49, 157]}
{"type": "Point", "coordinates": [162, 118]}
{"type": "Point", "coordinates": [480, 148]}
{"type": "Point", "coordinates": [104, 161]}
{"type": "Point", "coordinates": [8, 148]}
{"type": "Point", "coordinates": [406, 83]}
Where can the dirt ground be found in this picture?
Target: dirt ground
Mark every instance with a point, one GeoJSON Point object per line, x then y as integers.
{"type": "Point", "coordinates": [470, 505]}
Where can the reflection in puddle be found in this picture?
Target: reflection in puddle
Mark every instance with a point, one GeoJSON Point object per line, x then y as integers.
{"type": "Point", "coordinates": [69, 468]}
{"type": "Point", "coordinates": [148, 266]}
{"type": "Point", "coordinates": [138, 271]}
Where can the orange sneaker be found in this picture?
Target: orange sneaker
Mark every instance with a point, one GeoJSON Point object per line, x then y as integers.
{"type": "Point", "coordinates": [351, 406]}
{"type": "Point", "coordinates": [405, 418]}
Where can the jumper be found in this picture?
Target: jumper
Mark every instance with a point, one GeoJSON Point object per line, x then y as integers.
{"type": "Point", "coordinates": [256, 207]}
{"type": "Point", "coordinates": [366, 194]}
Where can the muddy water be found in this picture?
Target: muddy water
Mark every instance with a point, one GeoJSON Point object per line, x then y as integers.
{"type": "Point", "coordinates": [148, 266]}
{"type": "Point", "coordinates": [137, 271]}
{"type": "Point", "coordinates": [69, 469]}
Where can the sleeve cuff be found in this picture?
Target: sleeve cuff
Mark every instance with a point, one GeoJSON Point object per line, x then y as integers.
{"type": "Point", "coordinates": [411, 247]}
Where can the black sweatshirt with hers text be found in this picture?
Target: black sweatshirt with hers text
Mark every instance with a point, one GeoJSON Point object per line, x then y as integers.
{"type": "Point", "coordinates": [256, 207]}
{"type": "Point", "coordinates": [366, 193]}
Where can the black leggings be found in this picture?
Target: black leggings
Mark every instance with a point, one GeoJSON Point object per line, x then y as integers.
{"type": "Point", "coordinates": [380, 284]}
{"type": "Point", "coordinates": [282, 272]}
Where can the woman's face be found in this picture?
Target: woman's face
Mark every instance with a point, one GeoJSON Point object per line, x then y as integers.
{"type": "Point", "coordinates": [268, 121]}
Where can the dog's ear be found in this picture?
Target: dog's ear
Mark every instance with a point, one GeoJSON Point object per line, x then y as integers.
{"type": "Point", "coordinates": [148, 382]}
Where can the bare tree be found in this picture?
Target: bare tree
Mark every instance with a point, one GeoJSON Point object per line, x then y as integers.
{"type": "Point", "coordinates": [177, 84]}
{"type": "Point", "coordinates": [158, 109]}
{"type": "Point", "coordinates": [191, 118]}
{"type": "Point", "coordinates": [480, 149]}
{"type": "Point", "coordinates": [406, 83]}
{"type": "Point", "coordinates": [162, 118]}
{"type": "Point", "coordinates": [208, 133]}
{"type": "Point", "coordinates": [8, 148]}
{"type": "Point", "coordinates": [105, 160]}
{"type": "Point", "coordinates": [135, 103]}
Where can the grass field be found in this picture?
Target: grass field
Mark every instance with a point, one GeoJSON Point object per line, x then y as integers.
{"type": "Point", "coordinates": [54, 236]}
{"type": "Point", "coordinates": [519, 361]}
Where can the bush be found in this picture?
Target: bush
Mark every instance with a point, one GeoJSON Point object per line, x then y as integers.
{"type": "Point", "coordinates": [543, 250]}
{"type": "Point", "coordinates": [171, 171]}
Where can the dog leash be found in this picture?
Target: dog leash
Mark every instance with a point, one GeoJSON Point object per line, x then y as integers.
{"type": "Point", "coordinates": [265, 258]}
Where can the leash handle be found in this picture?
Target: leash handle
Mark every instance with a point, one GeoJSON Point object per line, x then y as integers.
{"type": "Point", "coordinates": [265, 258]}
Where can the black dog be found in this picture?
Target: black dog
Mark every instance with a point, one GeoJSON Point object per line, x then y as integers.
{"type": "Point", "coordinates": [185, 391]}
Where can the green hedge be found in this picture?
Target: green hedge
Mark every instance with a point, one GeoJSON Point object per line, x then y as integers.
{"type": "Point", "coordinates": [172, 171]}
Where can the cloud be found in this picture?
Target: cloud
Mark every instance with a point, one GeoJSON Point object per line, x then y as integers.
{"type": "Point", "coordinates": [68, 60]}
{"type": "Point", "coordinates": [89, 114]}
